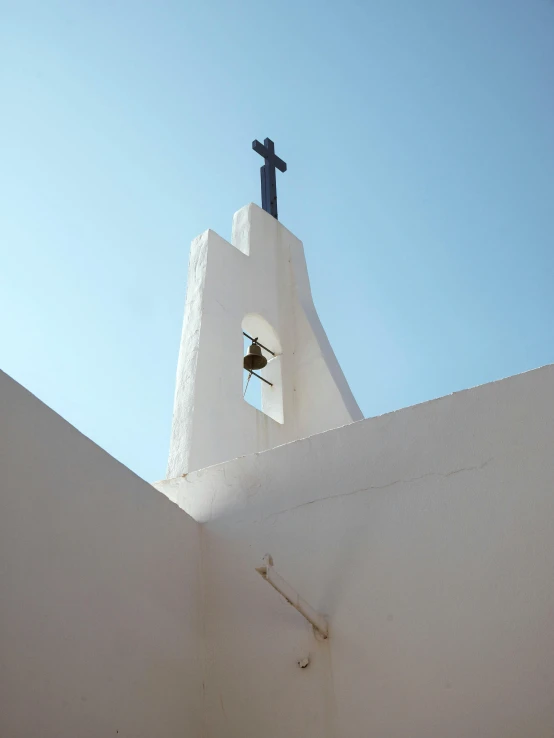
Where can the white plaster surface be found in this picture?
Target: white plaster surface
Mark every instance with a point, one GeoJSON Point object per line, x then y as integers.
{"type": "Point", "coordinates": [427, 539]}
{"type": "Point", "coordinates": [100, 622]}
{"type": "Point", "coordinates": [260, 279]}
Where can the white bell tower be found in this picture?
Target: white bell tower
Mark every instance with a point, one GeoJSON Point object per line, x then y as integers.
{"type": "Point", "coordinates": [258, 284]}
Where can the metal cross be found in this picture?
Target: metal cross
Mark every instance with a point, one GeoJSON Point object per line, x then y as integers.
{"type": "Point", "coordinates": [267, 174]}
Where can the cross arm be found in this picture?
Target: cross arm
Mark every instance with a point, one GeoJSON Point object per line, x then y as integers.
{"type": "Point", "coordinates": [262, 150]}
{"type": "Point", "coordinates": [279, 164]}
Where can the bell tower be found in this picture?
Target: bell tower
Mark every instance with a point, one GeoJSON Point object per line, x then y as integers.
{"type": "Point", "coordinates": [257, 285]}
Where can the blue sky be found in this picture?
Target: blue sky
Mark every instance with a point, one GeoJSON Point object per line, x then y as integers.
{"type": "Point", "coordinates": [419, 140]}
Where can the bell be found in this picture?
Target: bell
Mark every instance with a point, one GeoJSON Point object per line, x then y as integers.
{"type": "Point", "coordinates": [254, 359]}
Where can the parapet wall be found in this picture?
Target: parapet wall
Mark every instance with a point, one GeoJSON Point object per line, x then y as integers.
{"type": "Point", "coordinates": [100, 584]}
{"type": "Point", "coordinates": [425, 536]}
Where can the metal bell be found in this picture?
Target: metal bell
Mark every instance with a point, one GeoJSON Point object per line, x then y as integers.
{"type": "Point", "coordinates": [254, 358]}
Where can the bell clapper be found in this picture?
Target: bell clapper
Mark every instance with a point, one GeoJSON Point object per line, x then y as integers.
{"type": "Point", "coordinates": [247, 382]}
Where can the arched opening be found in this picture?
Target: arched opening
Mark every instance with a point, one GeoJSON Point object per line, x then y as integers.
{"type": "Point", "coordinates": [264, 396]}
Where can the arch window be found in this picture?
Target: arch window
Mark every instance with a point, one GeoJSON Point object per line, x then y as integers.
{"type": "Point", "coordinates": [266, 396]}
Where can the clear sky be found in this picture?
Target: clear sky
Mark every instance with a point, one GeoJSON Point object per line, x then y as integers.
{"type": "Point", "coordinates": [419, 138]}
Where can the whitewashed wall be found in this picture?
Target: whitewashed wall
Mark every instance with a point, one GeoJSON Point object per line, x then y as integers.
{"type": "Point", "coordinates": [426, 536]}
{"type": "Point", "coordinates": [258, 283]}
{"type": "Point", "coordinates": [100, 628]}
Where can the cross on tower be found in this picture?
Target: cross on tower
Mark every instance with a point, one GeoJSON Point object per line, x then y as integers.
{"type": "Point", "coordinates": [267, 174]}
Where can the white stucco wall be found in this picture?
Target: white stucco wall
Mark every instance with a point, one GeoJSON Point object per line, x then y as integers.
{"type": "Point", "coordinates": [262, 273]}
{"type": "Point", "coordinates": [100, 624]}
{"type": "Point", "coordinates": [427, 538]}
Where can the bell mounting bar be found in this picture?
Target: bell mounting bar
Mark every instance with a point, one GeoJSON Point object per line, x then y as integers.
{"type": "Point", "coordinates": [262, 378]}
{"type": "Point", "coordinates": [255, 340]}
